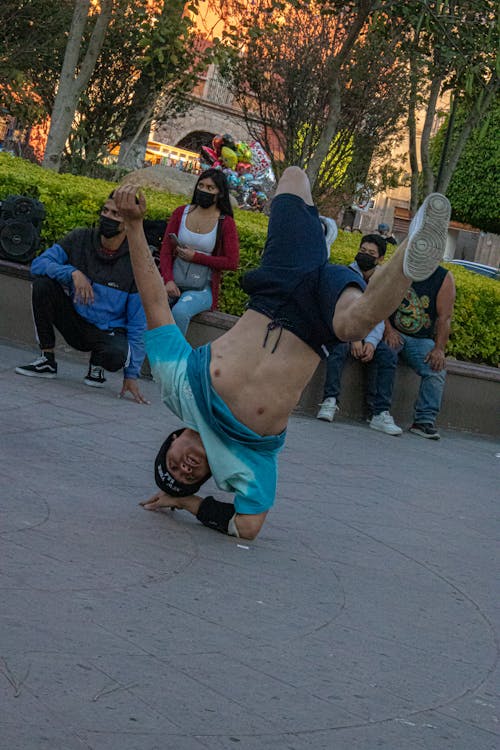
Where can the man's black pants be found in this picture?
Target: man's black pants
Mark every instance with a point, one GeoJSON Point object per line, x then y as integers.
{"type": "Point", "coordinates": [53, 308]}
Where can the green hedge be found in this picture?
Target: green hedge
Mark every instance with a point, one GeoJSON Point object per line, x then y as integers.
{"type": "Point", "coordinates": [75, 201]}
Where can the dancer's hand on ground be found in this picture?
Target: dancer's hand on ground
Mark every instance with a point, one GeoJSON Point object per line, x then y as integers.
{"type": "Point", "coordinates": [172, 289]}
{"type": "Point", "coordinates": [357, 349]}
{"type": "Point", "coordinates": [436, 359]}
{"type": "Point", "coordinates": [130, 385]}
{"type": "Point", "coordinates": [84, 294]}
{"type": "Point", "coordinates": [368, 352]}
{"type": "Point", "coordinates": [160, 500]}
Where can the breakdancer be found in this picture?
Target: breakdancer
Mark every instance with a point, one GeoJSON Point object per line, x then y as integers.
{"type": "Point", "coordinates": [235, 395]}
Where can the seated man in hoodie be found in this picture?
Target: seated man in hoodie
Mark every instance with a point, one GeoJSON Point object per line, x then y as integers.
{"type": "Point", "coordinates": [84, 286]}
{"type": "Point", "coordinates": [236, 394]}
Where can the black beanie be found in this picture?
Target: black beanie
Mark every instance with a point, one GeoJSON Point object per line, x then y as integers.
{"type": "Point", "coordinates": [164, 479]}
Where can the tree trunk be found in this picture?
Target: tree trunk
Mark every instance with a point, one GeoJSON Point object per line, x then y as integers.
{"type": "Point", "coordinates": [71, 82]}
{"type": "Point", "coordinates": [412, 140]}
{"type": "Point", "coordinates": [135, 133]}
{"type": "Point", "coordinates": [427, 173]}
{"type": "Point", "coordinates": [136, 130]}
{"type": "Point", "coordinates": [327, 134]}
{"type": "Point", "coordinates": [481, 106]}
{"type": "Point", "coordinates": [334, 102]}
{"type": "Point", "coordinates": [133, 149]}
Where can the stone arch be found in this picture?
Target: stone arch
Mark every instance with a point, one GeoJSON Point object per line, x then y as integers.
{"type": "Point", "coordinates": [200, 119]}
{"type": "Point", "coordinates": [195, 139]}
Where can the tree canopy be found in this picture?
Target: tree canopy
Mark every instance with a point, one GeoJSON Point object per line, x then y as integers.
{"type": "Point", "coordinates": [474, 189]}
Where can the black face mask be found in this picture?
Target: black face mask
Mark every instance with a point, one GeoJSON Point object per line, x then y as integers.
{"type": "Point", "coordinates": [203, 199]}
{"type": "Point", "coordinates": [365, 261]}
{"type": "Point", "coordinates": [109, 227]}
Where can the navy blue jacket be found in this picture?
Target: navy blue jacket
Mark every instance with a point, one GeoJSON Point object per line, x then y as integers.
{"type": "Point", "coordinates": [116, 300]}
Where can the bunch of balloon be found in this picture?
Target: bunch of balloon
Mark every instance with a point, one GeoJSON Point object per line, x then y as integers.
{"type": "Point", "coordinates": [247, 169]}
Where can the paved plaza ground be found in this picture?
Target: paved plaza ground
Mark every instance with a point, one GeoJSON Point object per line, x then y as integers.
{"type": "Point", "coordinates": [365, 615]}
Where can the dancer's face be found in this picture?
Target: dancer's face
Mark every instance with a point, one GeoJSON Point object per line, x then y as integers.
{"type": "Point", "coordinates": [187, 459]}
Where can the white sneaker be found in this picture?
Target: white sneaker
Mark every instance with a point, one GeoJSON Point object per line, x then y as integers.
{"type": "Point", "coordinates": [328, 409]}
{"type": "Point", "coordinates": [427, 237]}
{"type": "Point", "coordinates": [331, 231]}
{"type": "Point", "coordinates": [383, 422]}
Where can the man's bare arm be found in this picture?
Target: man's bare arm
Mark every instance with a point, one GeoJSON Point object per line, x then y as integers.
{"type": "Point", "coordinates": [247, 526]}
{"type": "Point", "coordinates": [147, 277]}
{"type": "Point", "coordinates": [445, 301]}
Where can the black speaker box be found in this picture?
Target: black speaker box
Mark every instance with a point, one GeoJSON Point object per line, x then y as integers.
{"type": "Point", "coordinates": [21, 219]}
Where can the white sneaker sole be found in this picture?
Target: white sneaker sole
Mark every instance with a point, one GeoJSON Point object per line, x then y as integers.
{"type": "Point", "coordinates": [423, 435]}
{"type": "Point", "coordinates": [46, 375]}
{"type": "Point", "coordinates": [325, 418]}
{"type": "Point", "coordinates": [427, 237]}
{"type": "Point", "coordinates": [93, 384]}
{"type": "Point", "coordinates": [386, 432]}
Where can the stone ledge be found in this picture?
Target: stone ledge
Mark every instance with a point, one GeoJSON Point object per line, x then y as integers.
{"type": "Point", "coordinates": [223, 322]}
{"type": "Point", "coordinates": [471, 399]}
{"type": "Point", "coordinates": [18, 270]}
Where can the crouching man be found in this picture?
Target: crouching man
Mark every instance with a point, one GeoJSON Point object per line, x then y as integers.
{"type": "Point", "coordinates": [84, 286]}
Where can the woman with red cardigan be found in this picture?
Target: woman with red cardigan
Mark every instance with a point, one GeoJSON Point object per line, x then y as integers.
{"type": "Point", "coordinates": [204, 234]}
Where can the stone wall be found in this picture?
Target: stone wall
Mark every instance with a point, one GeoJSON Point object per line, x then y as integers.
{"type": "Point", "coordinates": [471, 399]}
{"type": "Point", "coordinates": [204, 116]}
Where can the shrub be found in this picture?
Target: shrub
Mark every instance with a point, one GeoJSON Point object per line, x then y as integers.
{"type": "Point", "coordinates": [72, 201]}
{"type": "Point", "coordinates": [475, 331]}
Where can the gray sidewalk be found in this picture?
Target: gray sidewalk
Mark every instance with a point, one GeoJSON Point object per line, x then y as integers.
{"type": "Point", "coordinates": [364, 616]}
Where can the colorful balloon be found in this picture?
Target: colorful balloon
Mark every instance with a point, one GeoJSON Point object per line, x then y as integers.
{"type": "Point", "coordinates": [228, 157]}
{"type": "Point", "coordinates": [242, 167]}
{"type": "Point", "coordinates": [217, 143]}
{"type": "Point", "coordinates": [228, 141]}
{"type": "Point", "coordinates": [243, 152]}
{"type": "Point", "coordinates": [211, 155]}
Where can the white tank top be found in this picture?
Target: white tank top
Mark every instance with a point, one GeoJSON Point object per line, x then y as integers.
{"type": "Point", "coordinates": [202, 243]}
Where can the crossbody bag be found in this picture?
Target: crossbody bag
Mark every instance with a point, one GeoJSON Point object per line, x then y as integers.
{"type": "Point", "coordinates": [193, 276]}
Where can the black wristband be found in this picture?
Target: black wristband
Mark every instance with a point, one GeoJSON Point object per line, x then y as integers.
{"type": "Point", "coordinates": [215, 515]}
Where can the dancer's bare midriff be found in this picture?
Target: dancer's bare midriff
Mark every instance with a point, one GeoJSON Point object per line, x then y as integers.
{"type": "Point", "coordinates": [261, 386]}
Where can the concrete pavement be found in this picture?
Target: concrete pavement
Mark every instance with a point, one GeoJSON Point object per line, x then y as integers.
{"type": "Point", "coordinates": [365, 615]}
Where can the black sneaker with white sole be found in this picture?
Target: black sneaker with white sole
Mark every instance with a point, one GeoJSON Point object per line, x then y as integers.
{"type": "Point", "coordinates": [95, 377]}
{"type": "Point", "coordinates": [40, 368]}
{"type": "Point", "coordinates": [425, 430]}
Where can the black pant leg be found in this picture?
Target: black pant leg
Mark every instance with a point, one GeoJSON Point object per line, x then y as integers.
{"type": "Point", "coordinates": [53, 308]}
{"type": "Point", "coordinates": [109, 349]}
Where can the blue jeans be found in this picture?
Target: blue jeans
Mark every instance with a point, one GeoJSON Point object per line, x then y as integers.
{"type": "Point", "coordinates": [428, 403]}
{"type": "Point", "coordinates": [190, 303]}
{"type": "Point", "coordinates": [380, 381]}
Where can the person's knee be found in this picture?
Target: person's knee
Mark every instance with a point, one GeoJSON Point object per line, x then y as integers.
{"type": "Point", "coordinates": [114, 358]}
{"type": "Point", "coordinates": [294, 173]}
{"type": "Point", "coordinates": [182, 317]}
{"type": "Point", "coordinates": [295, 181]}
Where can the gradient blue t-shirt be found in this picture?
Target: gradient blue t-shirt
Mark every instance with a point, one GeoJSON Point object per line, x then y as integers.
{"type": "Point", "coordinates": [241, 461]}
